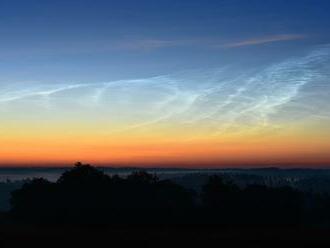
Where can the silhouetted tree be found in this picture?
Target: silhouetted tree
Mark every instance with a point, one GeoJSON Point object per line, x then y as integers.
{"type": "Point", "coordinates": [86, 195]}
{"type": "Point", "coordinates": [217, 193]}
{"type": "Point", "coordinates": [82, 175]}
{"type": "Point", "coordinates": [34, 199]}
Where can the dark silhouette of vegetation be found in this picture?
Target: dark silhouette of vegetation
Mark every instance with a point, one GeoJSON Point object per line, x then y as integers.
{"type": "Point", "coordinates": [85, 195]}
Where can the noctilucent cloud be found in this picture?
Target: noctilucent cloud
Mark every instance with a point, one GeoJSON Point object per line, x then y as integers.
{"type": "Point", "coordinates": [165, 83]}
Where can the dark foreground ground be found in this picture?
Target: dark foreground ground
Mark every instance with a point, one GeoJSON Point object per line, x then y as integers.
{"type": "Point", "coordinates": [141, 210]}
{"type": "Point", "coordinates": [161, 237]}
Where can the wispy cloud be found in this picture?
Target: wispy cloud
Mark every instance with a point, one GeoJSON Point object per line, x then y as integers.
{"type": "Point", "coordinates": [222, 103]}
{"type": "Point", "coordinates": [152, 44]}
{"type": "Point", "coordinates": [264, 40]}
{"type": "Point", "coordinates": [138, 44]}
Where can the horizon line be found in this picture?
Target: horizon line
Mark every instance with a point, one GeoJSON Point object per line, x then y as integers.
{"type": "Point", "coordinates": [172, 166]}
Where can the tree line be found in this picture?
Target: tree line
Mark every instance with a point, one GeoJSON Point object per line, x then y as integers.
{"type": "Point", "coordinates": [85, 195]}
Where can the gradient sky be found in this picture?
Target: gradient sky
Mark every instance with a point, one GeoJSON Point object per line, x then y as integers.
{"type": "Point", "coordinates": [166, 83]}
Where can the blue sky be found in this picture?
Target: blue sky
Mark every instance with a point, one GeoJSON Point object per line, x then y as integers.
{"type": "Point", "coordinates": [93, 41]}
{"type": "Point", "coordinates": [232, 81]}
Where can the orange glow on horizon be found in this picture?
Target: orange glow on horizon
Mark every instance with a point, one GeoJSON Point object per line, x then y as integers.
{"type": "Point", "coordinates": [45, 145]}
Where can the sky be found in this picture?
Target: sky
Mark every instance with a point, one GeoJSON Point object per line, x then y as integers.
{"type": "Point", "coordinates": [165, 83]}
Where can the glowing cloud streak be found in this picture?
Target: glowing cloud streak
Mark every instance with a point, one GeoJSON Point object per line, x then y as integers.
{"type": "Point", "coordinates": [220, 100]}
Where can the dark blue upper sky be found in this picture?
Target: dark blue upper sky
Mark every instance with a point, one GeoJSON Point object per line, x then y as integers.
{"type": "Point", "coordinates": [95, 40]}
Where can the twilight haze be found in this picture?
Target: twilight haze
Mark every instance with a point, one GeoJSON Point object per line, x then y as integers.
{"type": "Point", "coordinates": [166, 83]}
